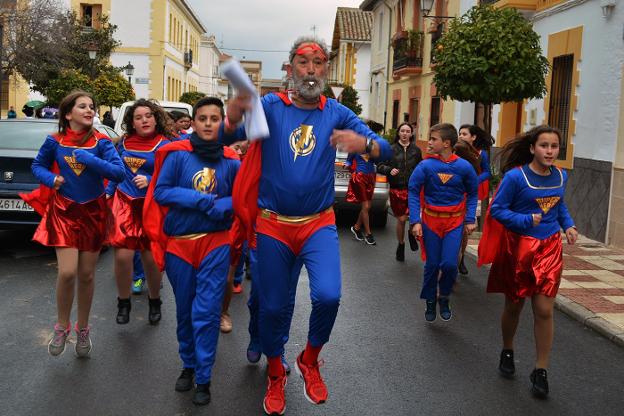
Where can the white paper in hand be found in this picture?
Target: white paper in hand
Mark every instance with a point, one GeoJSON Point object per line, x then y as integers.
{"type": "Point", "coordinates": [256, 125]}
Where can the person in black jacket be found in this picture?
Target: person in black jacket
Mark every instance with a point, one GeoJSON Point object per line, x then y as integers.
{"type": "Point", "coordinates": [406, 155]}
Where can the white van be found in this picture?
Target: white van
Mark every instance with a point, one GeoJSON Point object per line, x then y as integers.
{"type": "Point", "coordinates": [167, 105]}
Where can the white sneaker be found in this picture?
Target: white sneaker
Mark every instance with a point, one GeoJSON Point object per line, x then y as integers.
{"type": "Point", "coordinates": [83, 342]}
{"type": "Point", "coordinates": [56, 346]}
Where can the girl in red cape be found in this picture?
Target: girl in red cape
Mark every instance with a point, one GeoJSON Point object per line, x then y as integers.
{"type": "Point", "coordinates": [529, 212]}
{"type": "Point", "coordinates": [72, 166]}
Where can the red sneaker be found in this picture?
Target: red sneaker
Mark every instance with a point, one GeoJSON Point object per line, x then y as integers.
{"type": "Point", "coordinates": [314, 389]}
{"type": "Point", "coordinates": [274, 402]}
{"type": "Point", "coordinates": [237, 289]}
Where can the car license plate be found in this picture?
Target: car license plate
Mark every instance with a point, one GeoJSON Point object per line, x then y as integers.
{"type": "Point", "coordinates": [7, 204]}
{"type": "Point", "coordinates": [343, 176]}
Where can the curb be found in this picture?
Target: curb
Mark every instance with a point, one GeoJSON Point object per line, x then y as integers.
{"type": "Point", "coordinates": [580, 313]}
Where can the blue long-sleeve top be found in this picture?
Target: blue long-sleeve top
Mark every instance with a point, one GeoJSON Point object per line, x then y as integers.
{"type": "Point", "coordinates": [446, 184]}
{"type": "Point", "coordinates": [363, 163]}
{"type": "Point", "coordinates": [297, 176]}
{"type": "Point", "coordinates": [486, 172]}
{"type": "Point", "coordinates": [137, 160]}
{"type": "Point", "coordinates": [83, 168]}
{"type": "Point", "coordinates": [198, 193]}
{"type": "Point", "coordinates": [522, 193]}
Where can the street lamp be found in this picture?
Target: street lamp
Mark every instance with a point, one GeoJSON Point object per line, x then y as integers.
{"type": "Point", "coordinates": [129, 70]}
{"type": "Point", "coordinates": [426, 6]}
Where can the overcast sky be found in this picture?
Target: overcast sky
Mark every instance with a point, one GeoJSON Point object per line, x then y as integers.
{"type": "Point", "coordinates": [267, 25]}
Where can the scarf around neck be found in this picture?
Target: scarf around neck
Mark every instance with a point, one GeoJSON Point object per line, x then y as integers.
{"type": "Point", "coordinates": [208, 151]}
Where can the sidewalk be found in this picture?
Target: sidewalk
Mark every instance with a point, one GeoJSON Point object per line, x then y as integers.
{"type": "Point", "coordinates": [592, 286]}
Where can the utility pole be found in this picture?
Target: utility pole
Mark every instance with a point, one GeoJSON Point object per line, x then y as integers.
{"type": "Point", "coordinates": [313, 29]}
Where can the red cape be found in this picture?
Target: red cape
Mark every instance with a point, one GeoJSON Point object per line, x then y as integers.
{"type": "Point", "coordinates": [153, 213]}
{"type": "Point", "coordinates": [40, 198]}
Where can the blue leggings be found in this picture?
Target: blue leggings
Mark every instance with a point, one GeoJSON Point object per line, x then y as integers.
{"type": "Point", "coordinates": [278, 274]}
{"type": "Point", "coordinates": [199, 296]}
{"type": "Point", "coordinates": [442, 255]}
{"type": "Point", "coordinates": [138, 267]}
{"type": "Point", "coordinates": [240, 268]}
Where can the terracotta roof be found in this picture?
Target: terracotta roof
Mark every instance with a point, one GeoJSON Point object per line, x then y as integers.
{"type": "Point", "coordinates": [353, 24]}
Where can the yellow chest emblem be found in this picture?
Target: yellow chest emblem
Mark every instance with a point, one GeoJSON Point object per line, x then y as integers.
{"type": "Point", "coordinates": [77, 167]}
{"type": "Point", "coordinates": [134, 163]}
{"type": "Point", "coordinates": [205, 181]}
{"type": "Point", "coordinates": [546, 204]}
{"type": "Point", "coordinates": [302, 141]}
{"type": "Point", "coordinates": [445, 177]}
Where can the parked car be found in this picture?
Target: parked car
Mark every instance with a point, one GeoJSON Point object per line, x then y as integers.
{"type": "Point", "coordinates": [167, 105]}
{"type": "Point", "coordinates": [379, 207]}
{"type": "Point", "coordinates": [20, 140]}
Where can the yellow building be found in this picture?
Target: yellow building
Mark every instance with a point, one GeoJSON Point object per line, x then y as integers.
{"type": "Point", "coordinates": [14, 90]}
{"type": "Point", "coordinates": [159, 38]}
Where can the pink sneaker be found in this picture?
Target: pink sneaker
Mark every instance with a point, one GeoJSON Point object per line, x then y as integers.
{"type": "Point", "coordinates": [83, 342]}
{"type": "Point", "coordinates": [56, 346]}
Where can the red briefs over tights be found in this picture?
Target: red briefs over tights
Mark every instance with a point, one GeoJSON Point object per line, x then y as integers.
{"type": "Point", "coordinates": [526, 266]}
{"type": "Point", "coordinates": [293, 231]}
{"type": "Point", "coordinates": [193, 248]}
{"type": "Point", "coordinates": [361, 187]}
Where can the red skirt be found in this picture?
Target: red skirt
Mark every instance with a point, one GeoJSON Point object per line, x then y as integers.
{"type": "Point", "coordinates": [527, 266]}
{"type": "Point", "coordinates": [67, 223]}
{"type": "Point", "coordinates": [398, 202]}
{"type": "Point", "coordinates": [127, 223]}
{"type": "Point", "coordinates": [484, 190]}
{"type": "Point", "coordinates": [361, 187]}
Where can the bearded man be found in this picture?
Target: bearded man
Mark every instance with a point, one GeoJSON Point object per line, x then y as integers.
{"type": "Point", "coordinates": [285, 189]}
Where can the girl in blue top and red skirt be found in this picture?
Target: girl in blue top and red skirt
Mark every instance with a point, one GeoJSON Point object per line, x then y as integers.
{"type": "Point", "coordinates": [71, 167]}
{"type": "Point", "coordinates": [145, 123]}
{"type": "Point", "coordinates": [522, 240]}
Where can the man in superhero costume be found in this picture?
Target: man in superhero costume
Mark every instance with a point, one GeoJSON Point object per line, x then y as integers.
{"type": "Point", "coordinates": [286, 188]}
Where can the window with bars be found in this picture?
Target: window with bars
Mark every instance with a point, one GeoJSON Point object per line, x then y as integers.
{"type": "Point", "coordinates": [435, 111]}
{"type": "Point", "coordinates": [560, 98]}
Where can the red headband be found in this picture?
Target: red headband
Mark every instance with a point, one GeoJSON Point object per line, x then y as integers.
{"type": "Point", "coordinates": [310, 47]}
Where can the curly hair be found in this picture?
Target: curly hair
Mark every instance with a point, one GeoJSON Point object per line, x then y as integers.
{"type": "Point", "coordinates": [162, 124]}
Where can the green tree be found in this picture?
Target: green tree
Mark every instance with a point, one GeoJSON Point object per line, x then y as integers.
{"type": "Point", "coordinates": [191, 97]}
{"type": "Point", "coordinates": [67, 81]}
{"type": "Point", "coordinates": [111, 88]}
{"type": "Point", "coordinates": [349, 98]}
{"type": "Point", "coordinates": [490, 56]}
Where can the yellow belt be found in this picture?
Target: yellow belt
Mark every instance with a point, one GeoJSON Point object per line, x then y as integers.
{"type": "Point", "coordinates": [189, 236]}
{"type": "Point", "coordinates": [265, 213]}
{"type": "Point", "coordinates": [443, 214]}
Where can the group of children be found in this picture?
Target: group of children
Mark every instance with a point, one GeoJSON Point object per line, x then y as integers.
{"type": "Point", "coordinates": [171, 200]}
{"type": "Point", "coordinates": [521, 235]}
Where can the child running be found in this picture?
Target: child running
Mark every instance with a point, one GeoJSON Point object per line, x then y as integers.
{"type": "Point", "coordinates": [71, 166]}
{"type": "Point", "coordinates": [449, 185]}
{"type": "Point", "coordinates": [526, 251]}
{"type": "Point", "coordinates": [188, 213]}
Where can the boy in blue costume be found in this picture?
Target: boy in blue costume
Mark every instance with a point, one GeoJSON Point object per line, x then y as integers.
{"type": "Point", "coordinates": [187, 214]}
{"type": "Point", "coordinates": [449, 187]}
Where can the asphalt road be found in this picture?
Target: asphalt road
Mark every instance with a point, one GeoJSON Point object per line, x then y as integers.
{"type": "Point", "coordinates": [382, 359]}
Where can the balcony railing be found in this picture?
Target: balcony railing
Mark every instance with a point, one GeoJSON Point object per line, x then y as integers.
{"type": "Point", "coordinates": [408, 52]}
{"type": "Point", "coordinates": [401, 62]}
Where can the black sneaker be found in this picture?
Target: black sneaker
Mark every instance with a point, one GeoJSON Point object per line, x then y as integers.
{"type": "Point", "coordinates": [357, 233]}
{"type": "Point", "coordinates": [154, 314]}
{"type": "Point", "coordinates": [412, 241]}
{"type": "Point", "coordinates": [400, 252]}
{"type": "Point", "coordinates": [370, 240]}
{"type": "Point", "coordinates": [539, 381]}
{"type": "Point", "coordinates": [462, 267]}
{"type": "Point", "coordinates": [123, 311]}
{"type": "Point", "coordinates": [506, 366]}
{"type": "Point", "coordinates": [445, 309]}
{"type": "Point", "coordinates": [185, 381]}
{"type": "Point", "coordinates": [202, 394]}
{"type": "Point", "coordinates": [430, 311]}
